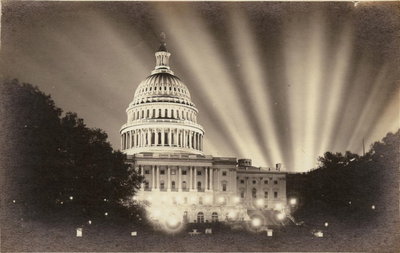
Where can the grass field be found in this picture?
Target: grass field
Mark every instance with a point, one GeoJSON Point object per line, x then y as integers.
{"type": "Point", "coordinates": [35, 236]}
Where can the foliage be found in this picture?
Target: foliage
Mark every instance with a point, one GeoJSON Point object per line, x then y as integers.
{"type": "Point", "coordinates": [57, 164]}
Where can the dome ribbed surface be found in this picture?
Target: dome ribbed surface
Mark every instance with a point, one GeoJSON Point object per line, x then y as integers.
{"type": "Point", "coordinates": [162, 87]}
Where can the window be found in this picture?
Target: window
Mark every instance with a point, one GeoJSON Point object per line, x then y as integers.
{"type": "Point", "coordinates": [214, 217]}
{"type": "Point", "coordinates": [275, 181]}
{"type": "Point", "coordinates": [266, 194]}
{"type": "Point", "coordinates": [254, 193]}
{"type": "Point", "coordinates": [242, 181]}
{"type": "Point", "coordinates": [184, 172]}
{"type": "Point", "coordinates": [173, 185]}
{"type": "Point", "coordinates": [162, 172]}
{"type": "Point", "coordinates": [242, 194]}
{"type": "Point", "coordinates": [147, 172]}
{"type": "Point", "coordinates": [184, 185]}
{"type": "Point", "coordinates": [198, 173]}
{"type": "Point", "coordinates": [199, 185]}
{"type": "Point", "coordinates": [254, 182]}
{"type": "Point", "coordinates": [224, 173]}
{"type": "Point", "coordinates": [224, 187]}
{"type": "Point", "coordinates": [173, 172]}
{"type": "Point", "coordinates": [146, 185]}
{"type": "Point", "coordinates": [200, 217]}
{"type": "Point", "coordinates": [275, 194]}
{"type": "Point", "coordinates": [265, 181]}
{"type": "Point", "coordinates": [162, 185]}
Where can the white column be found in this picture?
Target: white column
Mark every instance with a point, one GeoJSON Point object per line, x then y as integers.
{"type": "Point", "coordinates": [179, 178]}
{"type": "Point", "coordinates": [190, 139]}
{"type": "Point", "coordinates": [206, 178]}
{"type": "Point", "coordinates": [218, 184]}
{"type": "Point", "coordinates": [169, 137]}
{"type": "Point", "coordinates": [211, 178]}
{"type": "Point", "coordinates": [142, 174]}
{"type": "Point", "coordinates": [195, 178]}
{"type": "Point", "coordinates": [158, 178]}
{"type": "Point", "coordinates": [168, 179]}
{"type": "Point", "coordinates": [153, 178]}
{"type": "Point", "coordinates": [156, 137]}
{"type": "Point", "coordinates": [162, 137]}
{"type": "Point", "coordinates": [190, 179]}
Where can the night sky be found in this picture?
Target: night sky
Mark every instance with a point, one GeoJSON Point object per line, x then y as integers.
{"type": "Point", "coordinates": [273, 82]}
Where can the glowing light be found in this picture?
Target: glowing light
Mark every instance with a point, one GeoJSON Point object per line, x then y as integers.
{"type": "Point", "coordinates": [71, 197]}
{"type": "Point", "coordinates": [79, 232]}
{"type": "Point", "coordinates": [106, 214]}
{"type": "Point", "coordinates": [293, 201]}
{"type": "Point", "coordinates": [236, 200]}
{"type": "Point", "coordinates": [373, 207]}
{"type": "Point", "coordinates": [62, 202]}
{"type": "Point", "coordinates": [326, 224]}
{"type": "Point", "coordinates": [232, 214]}
{"type": "Point", "coordinates": [193, 200]}
{"type": "Point", "coordinates": [134, 198]}
{"type": "Point", "coordinates": [260, 202]}
{"type": "Point", "coordinates": [281, 216]}
{"type": "Point", "coordinates": [278, 206]}
{"type": "Point", "coordinates": [256, 222]}
{"type": "Point", "coordinates": [208, 200]}
{"type": "Point", "coordinates": [14, 201]}
{"type": "Point", "coordinates": [105, 200]}
{"type": "Point", "coordinates": [90, 222]}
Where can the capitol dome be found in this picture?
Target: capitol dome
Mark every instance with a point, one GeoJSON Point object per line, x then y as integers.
{"type": "Point", "coordinates": [161, 117]}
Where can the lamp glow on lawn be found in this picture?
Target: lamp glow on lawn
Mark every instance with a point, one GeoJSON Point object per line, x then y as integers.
{"type": "Point", "coordinates": [280, 216]}
{"type": "Point", "coordinates": [256, 222]}
{"type": "Point", "coordinates": [293, 201]}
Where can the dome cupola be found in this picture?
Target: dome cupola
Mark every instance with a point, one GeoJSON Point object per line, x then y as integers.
{"type": "Point", "coordinates": [162, 117]}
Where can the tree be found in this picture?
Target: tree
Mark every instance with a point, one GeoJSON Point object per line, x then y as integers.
{"type": "Point", "coordinates": [56, 164]}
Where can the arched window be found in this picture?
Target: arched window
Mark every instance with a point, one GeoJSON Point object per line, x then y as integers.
{"type": "Point", "coordinates": [199, 186]}
{"type": "Point", "coordinates": [153, 138]}
{"type": "Point", "coordinates": [184, 185]}
{"type": "Point", "coordinates": [173, 185]}
{"type": "Point", "coordinates": [166, 143]}
{"type": "Point", "coordinates": [172, 113]}
{"type": "Point", "coordinates": [200, 217]}
{"type": "Point", "coordinates": [224, 184]}
{"type": "Point", "coordinates": [214, 217]}
{"type": "Point", "coordinates": [159, 113]}
{"type": "Point", "coordinates": [148, 113]}
{"type": "Point", "coordinates": [159, 138]}
{"type": "Point", "coordinates": [166, 113]}
{"type": "Point", "coordinates": [266, 194]}
{"type": "Point", "coordinates": [254, 193]}
{"type": "Point", "coordinates": [142, 114]}
{"type": "Point", "coordinates": [154, 113]}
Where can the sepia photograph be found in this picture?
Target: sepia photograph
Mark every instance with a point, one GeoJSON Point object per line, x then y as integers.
{"type": "Point", "coordinates": [200, 126]}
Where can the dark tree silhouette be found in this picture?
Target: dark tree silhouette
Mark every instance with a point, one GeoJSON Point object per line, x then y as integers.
{"type": "Point", "coordinates": [55, 164]}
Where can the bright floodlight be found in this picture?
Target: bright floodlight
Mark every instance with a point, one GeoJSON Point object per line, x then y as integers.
{"type": "Point", "coordinates": [293, 201]}
{"type": "Point", "coordinates": [232, 214]}
{"type": "Point", "coordinates": [236, 200]}
{"type": "Point", "coordinates": [278, 206]}
{"type": "Point", "coordinates": [260, 202]}
{"type": "Point", "coordinates": [280, 216]}
{"type": "Point", "coordinates": [256, 222]}
{"type": "Point", "coordinates": [208, 199]}
{"type": "Point", "coordinates": [173, 221]}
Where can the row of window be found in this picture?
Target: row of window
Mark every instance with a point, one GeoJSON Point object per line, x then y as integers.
{"type": "Point", "coordinates": [163, 114]}
{"type": "Point", "coordinates": [184, 185]}
{"type": "Point", "coordinates": [184, 172]}
{"type": "Point", "coordinates": [254, 194]}
{"type": "Point", "coordinates": [255, 182]}
{"type": "Point", "coordinates": [165, 88]}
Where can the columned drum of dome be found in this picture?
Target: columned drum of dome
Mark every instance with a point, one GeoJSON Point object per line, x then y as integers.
{"type": "Point", "coordinates": [162, 117]}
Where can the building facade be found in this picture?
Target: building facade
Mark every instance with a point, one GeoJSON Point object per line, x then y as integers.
{"type": "Point", "coordinates": [164, 142]}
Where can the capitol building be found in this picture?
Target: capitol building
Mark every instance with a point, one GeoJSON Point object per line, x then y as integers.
{"type": "Point", "coordinates": [163, 140]}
